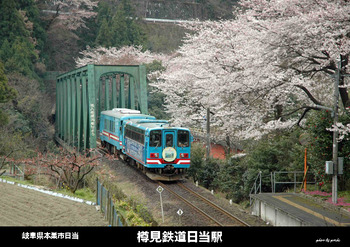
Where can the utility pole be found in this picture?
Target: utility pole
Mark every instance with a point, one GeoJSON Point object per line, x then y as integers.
{"type": "Point", "coordinates": [208, 133]}
{"type": "Point", "coordinates": [335, 134]}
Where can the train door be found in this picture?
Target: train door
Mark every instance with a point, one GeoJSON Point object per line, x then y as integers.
{"type": "Point", "coordinates": [169, 148]}
{"type": "Point", "coordinates": [121, 135]}
{"type": "Point", "coordinates": [169, 139]}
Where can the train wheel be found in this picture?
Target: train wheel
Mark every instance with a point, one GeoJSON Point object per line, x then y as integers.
{"type": "Point", "coordinates": [103, 144]}
{"type": "Point", "coordinates": [132, 162]}
{"type": "Point", "coordinates": [109, 147]}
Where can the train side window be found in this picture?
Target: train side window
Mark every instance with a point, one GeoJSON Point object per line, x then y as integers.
{"type": "Point", "coordinates": [128, 133]}
{"type": "Point", "coordinates": [111, 128]}
{"type": "Point", "coordinates": [183, 138]}
{"type": "Point", "coordinates": [155, 138]}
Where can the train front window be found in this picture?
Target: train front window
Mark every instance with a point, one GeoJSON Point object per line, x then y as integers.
{"type": "Point", "coordinates": [183, 138]}
{"type": "Point", "coordinates": [155, 138]}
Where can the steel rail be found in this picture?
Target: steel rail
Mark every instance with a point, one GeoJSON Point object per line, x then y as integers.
{"type": "Point", "coordinates": [190, 204]}
{"type": "Point", "coordinates": [213, 204]}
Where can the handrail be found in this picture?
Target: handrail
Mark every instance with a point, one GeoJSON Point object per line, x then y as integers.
{"type": "Point", "coordinates": [254, 186]}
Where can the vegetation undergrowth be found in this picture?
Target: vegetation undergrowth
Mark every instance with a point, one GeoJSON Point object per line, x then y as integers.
{"type": "Point", "coordinates": [343, 198]}
{"type": "Point", "coordinates": [129, 208]}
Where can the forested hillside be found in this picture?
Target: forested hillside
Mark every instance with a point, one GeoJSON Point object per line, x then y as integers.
{"type": "Point", "coordinates": [24, 110]}
{"type": "Point", "coordinates": [40, 36]}
{"type": "Point", "coordinates": [265, 71]}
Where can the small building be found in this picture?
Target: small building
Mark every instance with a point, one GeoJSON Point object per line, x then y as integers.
{"type": "Point", "coordinates": [217, 150]}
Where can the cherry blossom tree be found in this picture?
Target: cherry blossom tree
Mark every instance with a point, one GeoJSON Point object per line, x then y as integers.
{"type": "Point", "coordinates": [206, 74]}
{"type": "Point", "coordinates": [263, 70]}
{"type": "Point", "coordinates": [69, 13]}
{"type": "Point", "coordinates": [300, 43]}
{"type": "Point", "coordinates": [127, 55]}
{"type": "Point", "coordinates": [302, 40]}
{"type": "Point", "coordinates": [343, 130]}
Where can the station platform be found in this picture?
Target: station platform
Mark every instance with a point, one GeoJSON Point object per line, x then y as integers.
{"type": "Point", "coordinates": [292, 209]}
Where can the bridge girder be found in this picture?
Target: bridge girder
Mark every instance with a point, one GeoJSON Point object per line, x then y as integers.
{"type": "Point", "coordinates": [81, 95]}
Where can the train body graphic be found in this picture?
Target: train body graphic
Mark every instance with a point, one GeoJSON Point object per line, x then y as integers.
{"type": "Point", "coordinates": [161, 151]}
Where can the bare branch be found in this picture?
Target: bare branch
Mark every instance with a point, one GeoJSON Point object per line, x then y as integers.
{"type": "Point", "coordinates": [311, 97]}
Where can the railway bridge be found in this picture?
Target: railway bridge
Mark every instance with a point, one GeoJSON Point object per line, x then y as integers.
{"type": "Point", "coordinates": [84, 92]}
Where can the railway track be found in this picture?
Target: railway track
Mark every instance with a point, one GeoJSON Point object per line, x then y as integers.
{"type": "Point", "coordinates": [211, 211]}
{"type": "Point", "coordinates": [202, 205]}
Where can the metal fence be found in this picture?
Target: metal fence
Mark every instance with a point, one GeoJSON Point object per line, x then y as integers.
{"type": "Point", "coordinates": [282, 178]}
{"type": "Point", "coordinates": [104, 200]}
{"type": "Point", "coordinates": [296, 181]}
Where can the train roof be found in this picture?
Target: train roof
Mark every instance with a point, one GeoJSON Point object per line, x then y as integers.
{"type": "Point", "coordinates": [148, 123]}
{"type": "Point", "coordinates": [152, 124]}
{"type": "Point", "coordinates": [135, 118]}
{"type": "Point", "coordinates": [126, 113]}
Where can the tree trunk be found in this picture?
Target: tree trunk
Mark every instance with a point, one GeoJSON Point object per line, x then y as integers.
{"type": "Point", "coordinates": [343, 91]}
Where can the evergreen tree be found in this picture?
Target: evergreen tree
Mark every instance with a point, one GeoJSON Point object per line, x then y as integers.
{"type": "Point", "coordinates": [5, 50]}
{"type": "Point", "coordinates": [19, 34]}
{"type": "Point", "coordinates": [104, 13]}
{"type": "Point", "coordinates": [11, 22]}
{"type": "Point", "coordinates": [6, 93]}
{"type": "Point", "coordinates": [38, 32]}
{"type": "Point", "coordinates": [104, 36]}
{"type": "Point", "coordinates": [320, 148]}
{"type": "Point", "coordinates": [23, 57]}
{"type": "Point", "coordinates": [118, 29]}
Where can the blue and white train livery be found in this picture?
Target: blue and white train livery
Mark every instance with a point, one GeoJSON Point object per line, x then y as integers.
{"type": "Point", "coordinates": [161, 151]}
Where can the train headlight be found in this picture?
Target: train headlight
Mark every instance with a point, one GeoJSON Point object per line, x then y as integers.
{"type": "Point", "coordinates": [154, 155]}
{"type": "Point", "coordinates": [184, 155]}
{"type": "Point", "coordinates": [169, 154]}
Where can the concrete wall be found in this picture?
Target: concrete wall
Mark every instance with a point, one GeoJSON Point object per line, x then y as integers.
{"type": "Point", "coordinates": [274, 215]}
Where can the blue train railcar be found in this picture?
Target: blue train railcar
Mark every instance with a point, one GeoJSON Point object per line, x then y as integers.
{"type": "Point", "coordinates": [162, 152]}
{"type": "Point", "coordinates": [111, 127]}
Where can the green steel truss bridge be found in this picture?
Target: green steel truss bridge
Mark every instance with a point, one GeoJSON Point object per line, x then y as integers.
{"type": "Point", "coordinates": [83, 93]}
